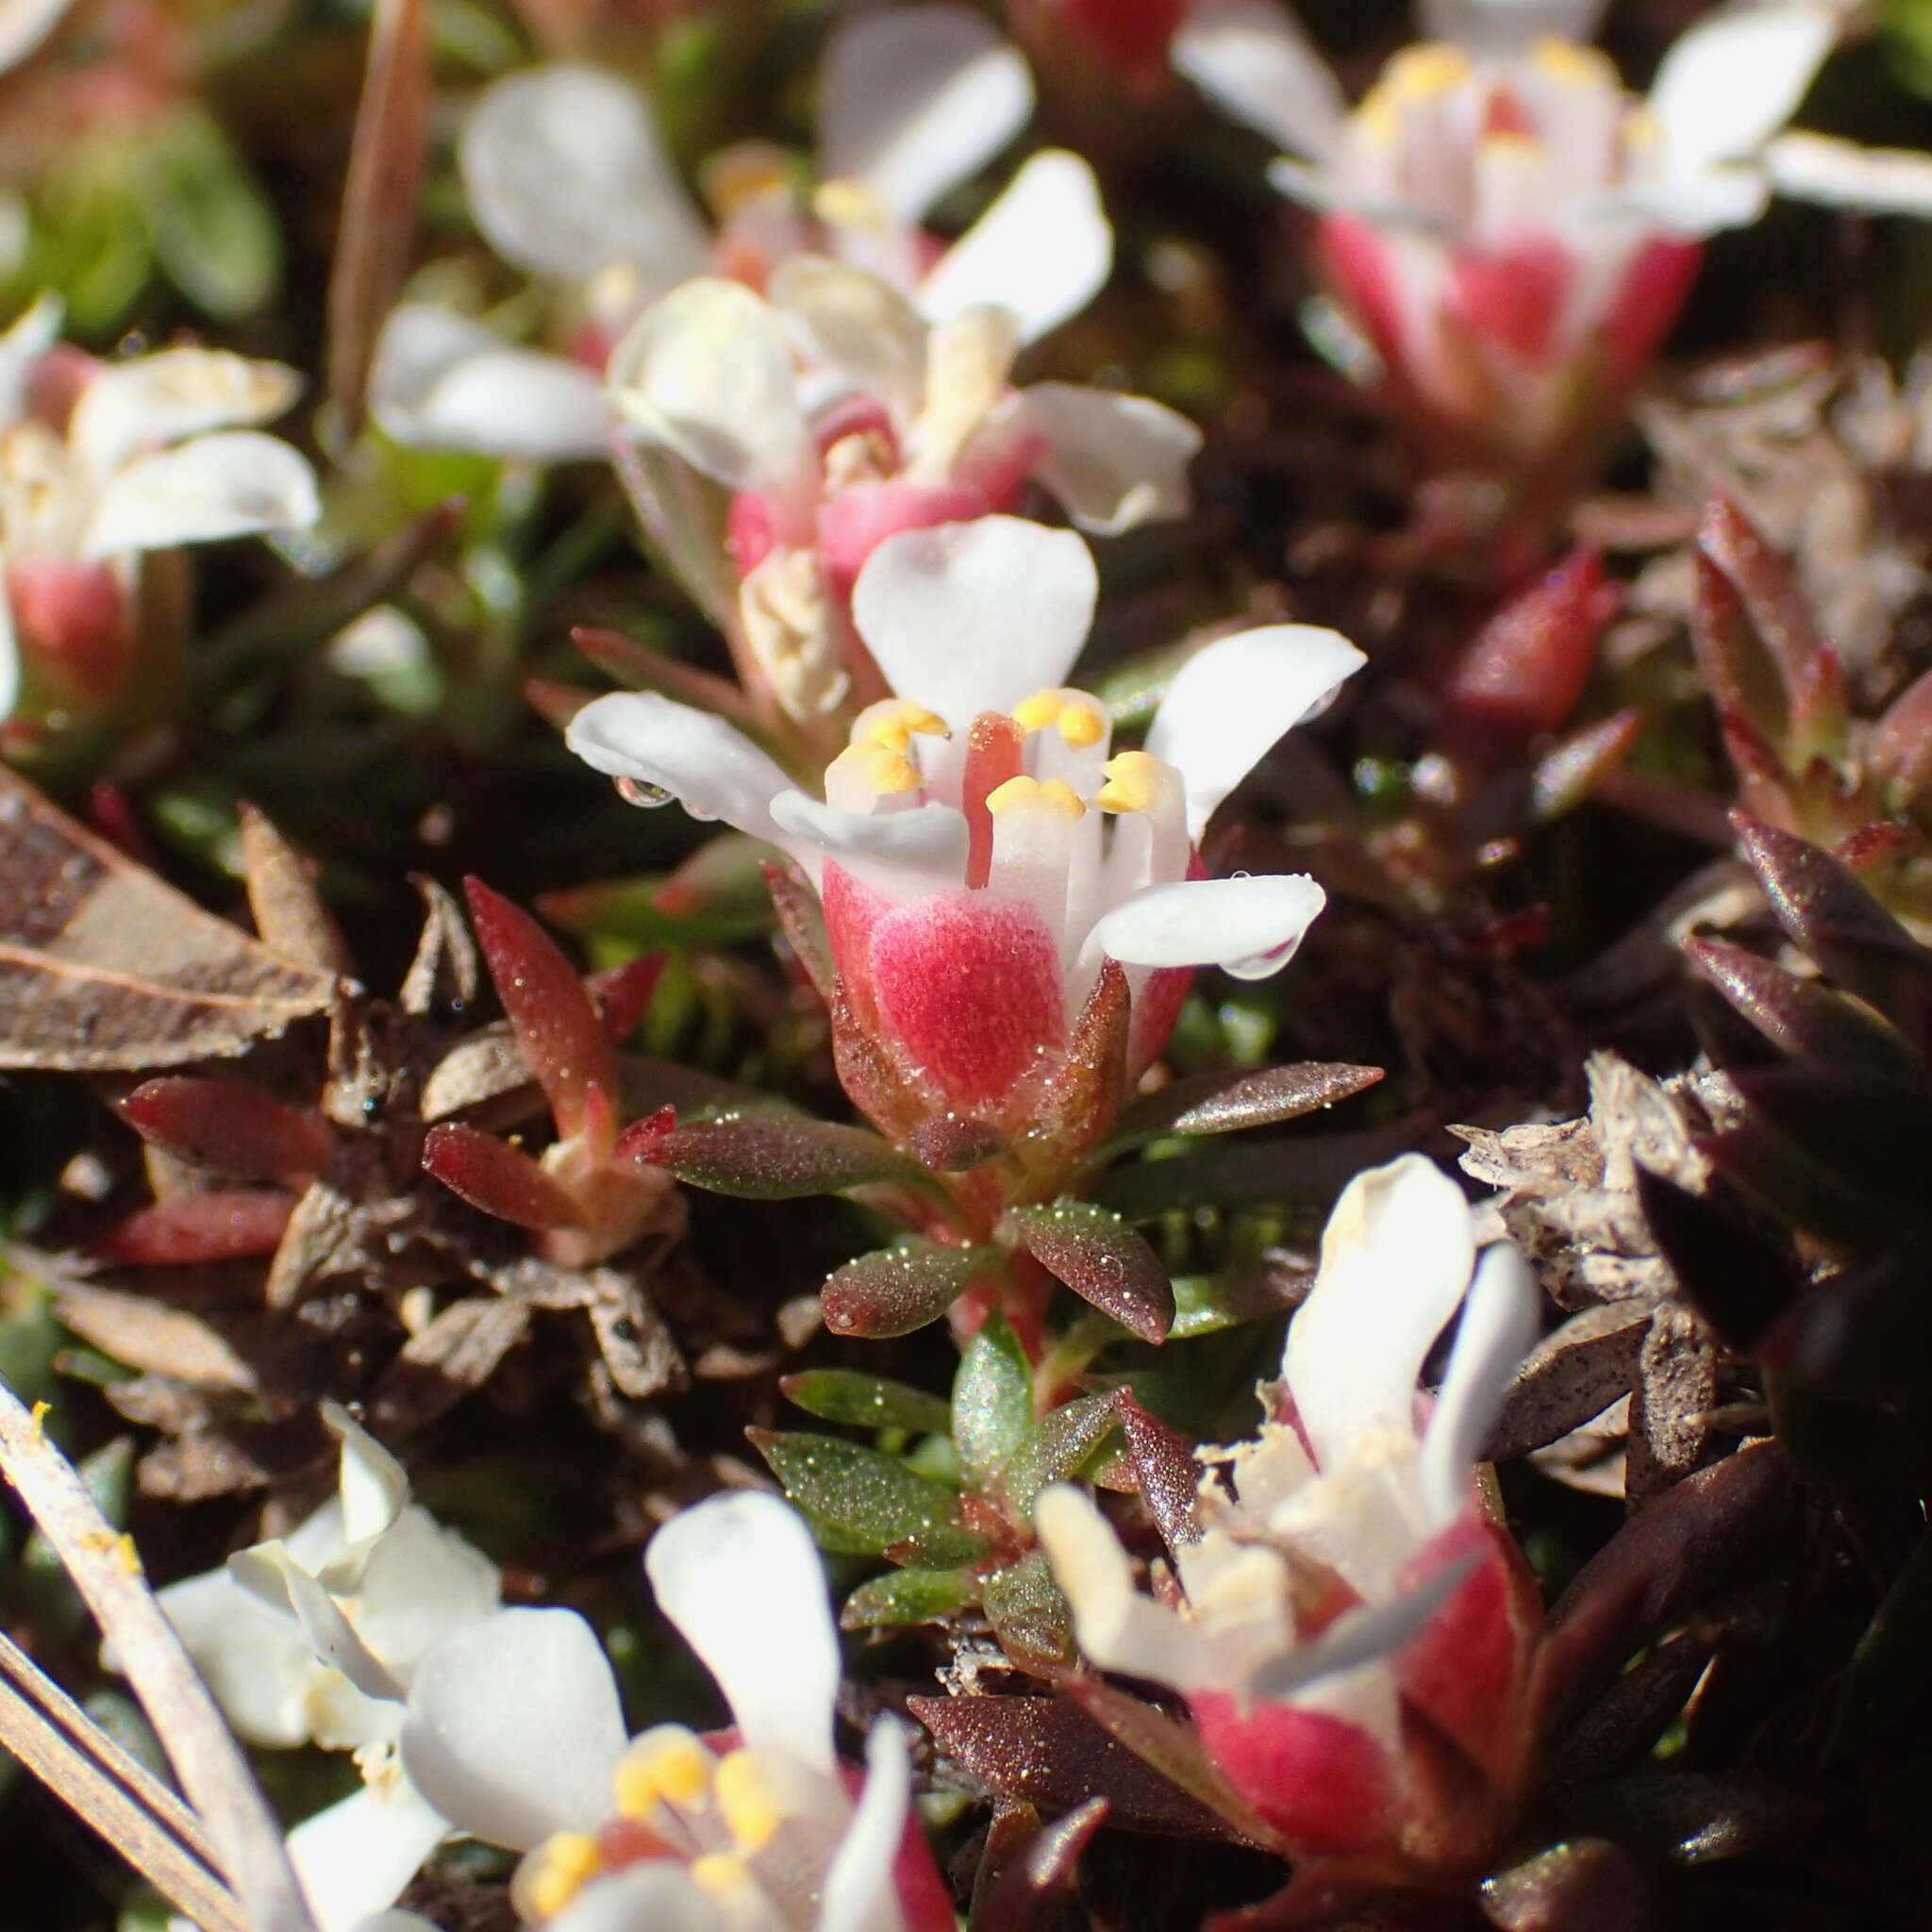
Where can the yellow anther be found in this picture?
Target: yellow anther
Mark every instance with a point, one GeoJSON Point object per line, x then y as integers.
{"type": "Point", "coordinates": [556, 1871]}
{"type": "Point", "coordinates": [849, 203]}
{"type": "Point", "coordinates": [1016, 793]}
{"type": "Point", "coordinates": [666, 1766]}
{"type": "Point", "coordinates": [718, 1872]}
{"type": "Point", "coordinates": [1133, 779]}
{"type": "Point", "coordinates": [1576, 66]}
{"type": "Point", "coordinates": [1641, 129]}
{"type": "Point", "coordinates": [126, 1555]}
{"type": "Point", "coordinates": [752, 1808]}
{"type": "Point", "coordinates": [881, 767]}
{"type": "Point", "coordinates": [1427, 69]}
{"type": "Point", "coordinates": [1080, 721]}
{"type": "Point", "coordinates": [748, 171]}
{"type": "Point", "coordinates": [895, 721]}
{"type": "Point", "coordinates": [1511, 143]}
{"type": "Point", "coordinates": [39, 1415]}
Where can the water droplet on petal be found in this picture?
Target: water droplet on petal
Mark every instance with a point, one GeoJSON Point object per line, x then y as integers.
{"type": "Point", "coordinates": [635, 791]}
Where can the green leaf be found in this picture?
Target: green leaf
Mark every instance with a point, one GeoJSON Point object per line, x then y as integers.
{"type": "Point", "coordinates": [1064, 1438]}
{"type": "Point", "coordinates": [213, 233]}
{"type": "Point", "coordinates": [1226, 1102]}
{"type": "Point", "coordinates": [993, 1405]}
{"type": "Point", "coordinates": [862, 1504]}
{"type": "Point", "coordinates": [898, 1290]}
{"type": "Point", "coordinates": [1030, 1615]}
{"type": "Point", "coordinates": [868, 1401]}
{"type": "Point", "coordinates": [908, 1596]}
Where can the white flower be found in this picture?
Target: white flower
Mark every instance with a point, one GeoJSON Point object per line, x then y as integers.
{"type": "Point", "coordinates": [314, 1639]}
{"type": "Point", "coordinates": [102, 461]}
{"type": "Point", "coordinates": [978, 849]}
{"type": "Point", "coordinates": [568, 177]}
{"type": "Point", "coordinates": [840, 414]}
{"type": "Point", "coordinates": [515, 1733]}
{"type": "Point", "coordinates": [1318, 1583]}
{"type": "Point", "coordinates": [1511, 231]}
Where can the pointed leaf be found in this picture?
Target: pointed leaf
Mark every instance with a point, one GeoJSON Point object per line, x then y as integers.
{"type": "Point", "coordinates": [1806, 1020]}
{"type": "Point", "coordinates": [898, 1290]}
{"type": "Point", "coordinates": [1862, 1333]}
{"type": "Point", "coordinates": [556, 1024]}
{"type": "Point", "coordinates": [1585, 1881]}
{"type": "Point", "coordinates": [1567, 776]}
{"type": "Point", "coordinates": [1041, 1751]}
{"type": "Point", "coordinates": [867, 1401]}
{"type": "Point", "coordinates": [908, 1596]}
{"type": "Point", "coordinates": [1223, 1103]}
{"type": "Point", "coordinates": [802, 922]}
{"type": "Point", "coordinates": [228, 1126]}
{"type": "Point", "coordinates": [1736, 1279]}
{"type": "Point", "coordinates": [1766, 582]}
{"type": "Point", "coordinates": [993, 1405]}
{"type": "Point", "coordinates": [954, 1143]}
{"type": "Point", "coordinates": [287, 911]}
{"type": "Point", "coordinates": [492, 1175]}
{"type": "Point", "coordinates": [863, 1503]}
{"type": "Point", "coordinates": [1022, 1887]}
{"type": "Point", "coordinates": [1169, 1478]}
{"type": "Point", "coordinates": [1827, 912]}
{"type": "Point", "coordinates": [777, 1158]}
{"type": "Point", "coordinates": [1080, 1097]}
{"type": "Point", "coordinates": [225, 1225]}
{"type": "Point", "coordinates": [1065, 1437]}
{"type": "Point", "coordinates": [1871, 1132]}
{"type": "Point", "coordinates": [1103, 1259]}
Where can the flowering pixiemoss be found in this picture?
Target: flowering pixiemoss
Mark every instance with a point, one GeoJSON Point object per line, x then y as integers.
{"type": "Point", "coordinates": [839, 414]}
{"type": "Point", "coordinates": [568, 179]}
{"type": "Point", "coordinates": [516, 1734]}
{"type": "Point", "coordinates": [103, 463]}
{"type": "Point", "coordinates": [981, 852]}
{"type": "Point", "coordinates": [1510, 231]}
{"type": "Point", "coordinates": [1356, 1642]}
{"type": "Point", "coordinates": [315, 1638]}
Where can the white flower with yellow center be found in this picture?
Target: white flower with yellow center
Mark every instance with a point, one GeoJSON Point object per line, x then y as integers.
{"type": "Point", "coordinates": [516, 1734]}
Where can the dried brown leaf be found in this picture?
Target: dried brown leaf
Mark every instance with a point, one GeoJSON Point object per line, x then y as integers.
{"type": "Point", "coordinates": [105, 966]}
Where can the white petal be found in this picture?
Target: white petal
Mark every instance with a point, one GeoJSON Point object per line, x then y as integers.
{"type": "Point", "coordinates": [1253, 60]}
{"type": "Point", "coordinates": [24, 25]}
{"type": "Point", "coordinates": [269, 1572]}
{"type": "Point", "coordinates": [357, 1857]}
{"type": "Point", "coordinates": [442, 381]}
{"type": "Point", "coordinates": [657, 1895]}
{"type": "Point", "coordinates": [1690, 205]}
{"type": "Point", "coordinates": [162, 398]}
{"type": "Point", "coordinates": [914, 99]}
{"type": "Point", "coordinates": [566, 175]}
{"type": "Point", "coordinates": [1499, 28]}
{"type": "Point", "coordinates": [514, 1728]}
{"type": "Point", "coordinates": [740, 1578]}
{"type": "Point", "coordinates": [1360, 1636]}
{"type": "Point", "coordinates": [1112, 461]}
{"type": "Point", "coordinates": [708, 372]}
{"type": "Point", "coordinates": [1043, 250]}
{"type": "Point", "coordinates": [854, 324]}
{"type": "Point", "coordinates": [1324, 189]}
{"type": "Point", "coordinates": [930, 842]}
{"type": "Point", "coordinates": [1249, 926]}
{"type": "Point", "coordinates": [419, 1581]}
{"type": "Point", "coordinates": [1498, 1328]}
{"type": "Point", "coordinates": [1396, 1256]}
{"type": "Point", "coordinates": [256, 1661]}
{"type": "Point", "coordinates": [1230, 703]}
{"type": "Point", "coordinates": [1119, 1629]}
{"type": "Point", "coordinates": [10, 650]}
{"type": "Point", "coordinates": [975, 617]}
{"type": "Point", "coordinates": [1840, 174]}
{"type": "Point", "coordinates": [30, 338]}
{"type": "Point", "coordinates": [860, 1892]}
{"type": "Point", "coordinates": [710, 766]}
{"type": "Point", "coordinates": [238, 483]}
{"type": "Point", "coordinates": [398, 1922]}
{"type": "Point", "coordinates": [1735, 78]}
{"type": "Point", "coordinates": [372, 1485]}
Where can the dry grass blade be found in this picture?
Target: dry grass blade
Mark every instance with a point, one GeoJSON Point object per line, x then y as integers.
{"type": "Point", "coordinates": [139, 1817]}
{"type": "Point", "coordinates": [379, 204]}
{"type": "Point", "coordinates": [210, 1765]}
